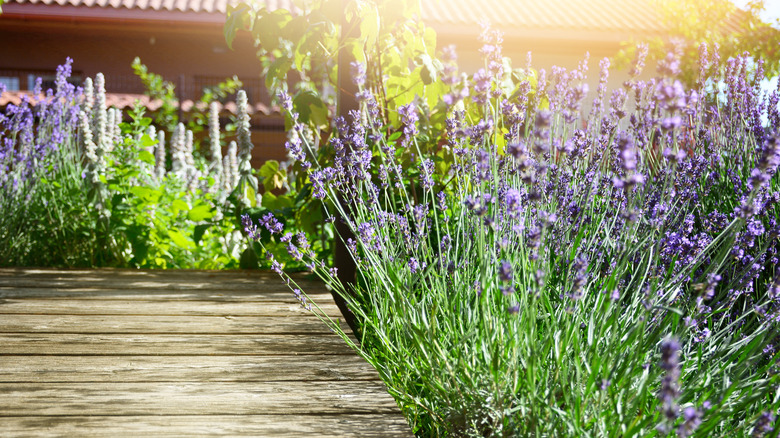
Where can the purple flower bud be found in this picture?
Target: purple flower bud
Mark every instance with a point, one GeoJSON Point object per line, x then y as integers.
{"type": "Point", "coordinates": [670, 387]}
{"type": "Point", "coordinates": [415, 266]}
{"type": "Point", "coordinates": [764, 425]}
{"type": "Point", "coordinates": [358, 71]}
{"type": "Point", "coordinates": [691, 421]}
{"type": "Point", "coordinates": [285, 101]}
{"type": "Point", "coordinates": [271, 224]}
{"type": "Point", "coordinates": [505, 271]}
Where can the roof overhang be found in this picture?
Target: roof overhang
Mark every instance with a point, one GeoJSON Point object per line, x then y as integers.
{"type": "Point", "coordinates": [84, 14]}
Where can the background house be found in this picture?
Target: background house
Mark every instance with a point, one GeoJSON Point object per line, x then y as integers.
{"type": "Point", "coordinates": [183, 41]}
{"type": "Point", "coordinates": [558, 32]}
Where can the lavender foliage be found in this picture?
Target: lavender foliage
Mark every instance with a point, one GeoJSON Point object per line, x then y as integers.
{"type": "Point", "coordinates": [517, 260]}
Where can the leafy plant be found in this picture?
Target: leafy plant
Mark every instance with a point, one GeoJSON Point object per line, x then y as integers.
{"type": "Point", "coordinates": [83, 187]}
{"type": "Point", "coordinates": [563, 275]}
{"type": "Point", "coordinates": [167, 116]}
{"type": "Point", "coordinates": [41, 188]}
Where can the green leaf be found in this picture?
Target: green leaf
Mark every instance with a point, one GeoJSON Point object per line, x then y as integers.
{"type": "Point", "coordinates": [248, 259]}
{"type": "Point", "coordinates": [369, 23]}
{"type": "Point", "coordinates": [430, 69]}
{"type": "Point", "coordinates": [273, 202]}
{"type": "Point", "coordinates": [311, 108]}
{"type": "Point", "coordinates": [269, 27]}
{"type": "Point", "coordinates": [200, 212]}
{"type": "Point", "coordinates": [295, 28]}
{"type": "Point", "coordinates": [146, 156]}
{"type": "Point", "coordinates": [310, 216]}
{"type": "Point", "coordinates": [199, 231]}
{"type": "Point", "coordinates": [180, 239]}
{"type": "Point", "coordinates": [237, 18]}
{"type": "Point", "coordinates": [277, 71]}
{"type": "Point", "coordinates": [145, 193]}
{"type": "Point", "coordinates": [273, 176]}
{"type": "Point", "coordinates": [178, 205]}
{"type": "Point", "coordinates": [250, 193]}
{"type": "Point", "coordinates": [146, 140]}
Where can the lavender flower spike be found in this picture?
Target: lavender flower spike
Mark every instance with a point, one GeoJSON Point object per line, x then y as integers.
{"type": "Point", "coordinates": [670, 385]}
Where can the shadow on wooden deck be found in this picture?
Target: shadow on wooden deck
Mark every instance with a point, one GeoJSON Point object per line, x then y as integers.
{"type": "Point", "coordinates": [178, 353]}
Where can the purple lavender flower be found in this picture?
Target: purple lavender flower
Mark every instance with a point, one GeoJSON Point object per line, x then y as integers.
{"type": "Point", "coordinates": [671, 95]}
{"type": "Point", "coordinates": [627, 152]}
{"type": "Point", "coordinates": [414, 265]}
{"type": "Point", "coordinates": [505, 271]}
{"type": "Point", "coordinates": [249, 227]}
{"type": "Point", "coordinates": [478, 205]}
{"type": "Point", "coordinates": [601, 90]}
{"type": "Point", "coordinates": [491, 51]}
{"type": "Point", "coordinates": [639, 60]}
{"type": "Point", "coordinates": [358, 71]}
{"type": "Point", "coordinates": [271, 223]}
{"type": "Point", "coordinates": [512, 203]}
{"type": "Point", "coordinates": [482, 83]}
{"type": "Point", "coordinates": [543, 119]}
{"type": "Point", "coordinates": [285, 101]}
{"type": "Point", "coordinates": [670, 65]}
{"type": "Point", "coordinates": [764, 425]}
{"type": "Point", "coordinates": [579, 277]}
{"type": "Point", "coordinates": [691, 422]}
{"type": "Point", "coordinates": [670, 385]}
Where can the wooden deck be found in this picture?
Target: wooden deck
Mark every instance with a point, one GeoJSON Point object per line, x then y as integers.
{"type": "Point", "coordinates": [178, 353]}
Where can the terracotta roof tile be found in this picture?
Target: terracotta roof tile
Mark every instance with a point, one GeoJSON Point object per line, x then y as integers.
{"type": "Point", "coordinates": [203, 6]}
{"type": "Point", "coordinates": [619, 15]}
{"type": "Point", "coordinates": [634, 15]}
{"type": "Point", "coordinates": [623, 16]}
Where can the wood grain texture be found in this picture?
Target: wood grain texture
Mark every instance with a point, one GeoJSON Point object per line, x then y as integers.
{"type": "Point", "coordinates": [105, 369]}
{"type": "Point", "coordinates": [257, 425]}
{"type": "Point", "coordinates": [68, 344]}
{"type": "Point", "coordinates": [163, 324]}
{"type": "Point", "coordinates": [179, 353]}
{"type": "Point", "coordinates": [96, 306]}
{"type": "Point", "coordinates": [189, 398]}
{"type": "Point", "coordinates": [282, 294]}
{"type": "Point", "coordinates": [154, 280]}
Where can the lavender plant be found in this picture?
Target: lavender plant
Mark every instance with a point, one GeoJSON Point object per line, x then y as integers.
{"type": "Point", "coordinates": [86, 185]}
{"type": "Point", "coordinates": [616, 279]}
{"type": "Point", "coordinates": [41, 193]}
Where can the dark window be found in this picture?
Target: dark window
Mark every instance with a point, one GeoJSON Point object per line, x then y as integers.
{"type": "Point", "coordinates": [24, 79]}
{"type": "Point", "coordinates": [11, 83]}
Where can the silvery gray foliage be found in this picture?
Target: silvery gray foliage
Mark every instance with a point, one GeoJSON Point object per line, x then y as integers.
{"type": "Point", "coordinates": [159, 156]}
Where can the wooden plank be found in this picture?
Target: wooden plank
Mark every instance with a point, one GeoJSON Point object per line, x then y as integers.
{"type": "Point", "coordinates": [162, 324]}
{"type": "Point", "coordinates": [178, 353]}
{"type": "Point", "coordinates": [158, 280]}
{"type": "Point", "coordinates": [213, 398]}
{"type": "Point", "coordinates": [256, 425]}
{"type": "Point", "coordinates": [75, 293]}
{"type": "Point", "coordinates": [169, 345]}
{"type": "Point", "coordinates": [159, 285]}
{"type": "Point", "coordinates": [63, 369]}
{"type": "Point", "coordinates": [92, 306]}
{"type": "Point", "coordinates": [110, 274]}
{"type": "Point", "coordinates": [235, 275]}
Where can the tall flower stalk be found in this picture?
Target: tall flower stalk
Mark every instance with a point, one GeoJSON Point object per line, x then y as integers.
{"type": "Point", "coordinates": [246, 181]}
